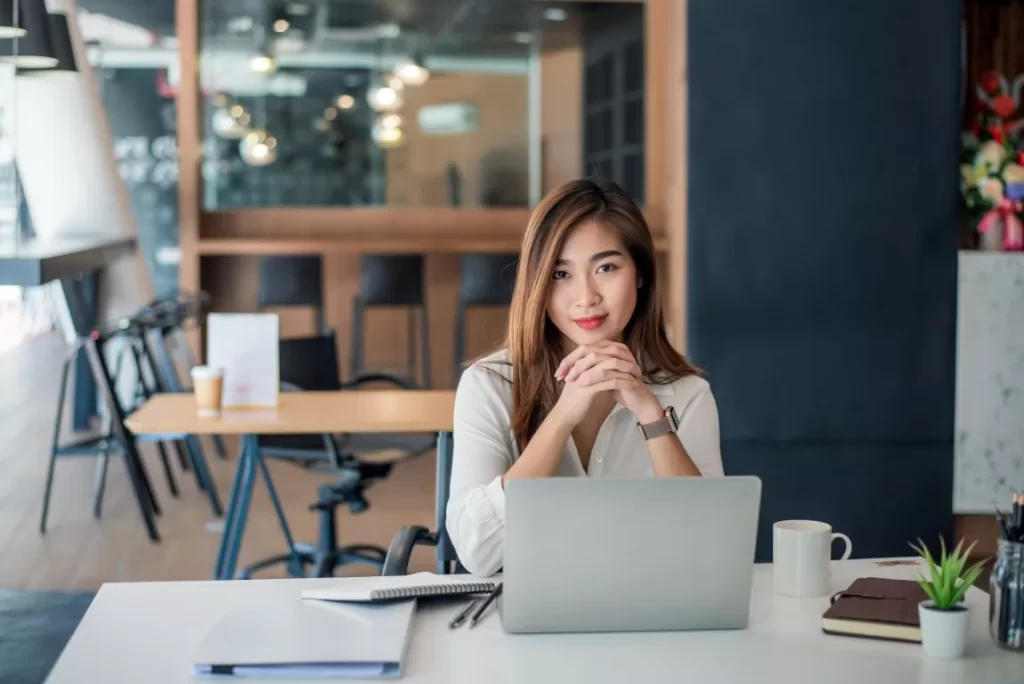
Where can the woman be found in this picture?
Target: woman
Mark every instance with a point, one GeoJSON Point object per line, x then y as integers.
{"type": "Point", "coordinates": [588, 383]}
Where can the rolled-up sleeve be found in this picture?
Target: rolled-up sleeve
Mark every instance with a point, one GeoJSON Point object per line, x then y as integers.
{"type": "Point", "coordinates": [698, 431]}
{"type": "Point", "coordinates": [482, 455]}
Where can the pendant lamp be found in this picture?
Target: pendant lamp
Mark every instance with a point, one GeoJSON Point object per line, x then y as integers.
{"type": "Point", "coordinates": [60, 39]}
{"type": "Point", "coordinates": [8, 27]}
{"type": "Point", "coordinates": [34, 50]}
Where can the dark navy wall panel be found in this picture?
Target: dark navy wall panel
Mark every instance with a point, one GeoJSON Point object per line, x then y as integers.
{"type": "Point", "coordinates": [823, 185]}
{"type": "Point", "coordinates": [823, 176]}
{"type": "Point", "coordinates": [880, 495]}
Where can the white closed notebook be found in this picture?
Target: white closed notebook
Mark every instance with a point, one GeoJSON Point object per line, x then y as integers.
{"type": "Point", "coordinates": [419, 585]}
{"type": "Point", "coordinates": [308, 639]}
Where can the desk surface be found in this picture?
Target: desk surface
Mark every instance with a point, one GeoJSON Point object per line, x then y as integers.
{"type": "Point", "coordinates": [35, 262]}
{"type": "Point", "coordinates": [373, 411]}
{"type": "Point", "coordinates": [149, 631]}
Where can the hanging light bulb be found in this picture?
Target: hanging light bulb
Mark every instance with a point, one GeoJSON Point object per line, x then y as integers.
{"type": "Point", "coordinates": [391, 121]}
{"type": "Point", "coordinates": [394, 83]}
{"type": "Point", "coordinates": [387, 137]}
{"type": "Point", "coordinates": [346, 102]}
{"type": "Point", "coordinates": [230, 122]}
{"type": "Point", "coordinates": [412, 71]}
{"type": "Point", "coordinates": [263, 64]}
{"type": "Point", "coordinates": [384, 98]}
{"type": "Point", "coordinates": [258, 148]}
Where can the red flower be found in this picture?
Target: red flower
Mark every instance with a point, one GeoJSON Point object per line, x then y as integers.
{"type": "Point", "coordinates": [1004, 106]}
{"type": "Point", "coordinates": [1020, 157]}
{"type": "Point", "coordinates": [974, 128]}
{"type": "Point", "coordinates": [997, 134]}
{"type": "Point", "coordinates": [990, 82]}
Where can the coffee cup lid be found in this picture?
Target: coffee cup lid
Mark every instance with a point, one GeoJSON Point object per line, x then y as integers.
{"type": "Point", "coordinates": [207, 372]}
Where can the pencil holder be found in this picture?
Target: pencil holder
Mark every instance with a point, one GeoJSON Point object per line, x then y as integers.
{"type": "Point", "coordinates": [1006, 596]}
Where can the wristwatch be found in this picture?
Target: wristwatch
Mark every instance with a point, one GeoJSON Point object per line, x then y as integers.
{"type": "Point", "coordinates": [669, 423]}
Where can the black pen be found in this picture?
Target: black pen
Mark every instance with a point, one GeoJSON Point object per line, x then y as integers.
{"type": "Point", "coordinates": [463, 614]}
{"type": "Point", "coordinates": [483, 606]}
{"type": "Point", "coordinates": [1002, 526]}
{"type": "Point", "coordinates": [1018, 513]}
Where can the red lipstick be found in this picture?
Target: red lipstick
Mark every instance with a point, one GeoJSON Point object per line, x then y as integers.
{"type": "Point", "coordinates": [590, 323]}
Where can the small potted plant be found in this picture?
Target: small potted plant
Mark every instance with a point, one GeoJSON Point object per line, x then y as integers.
{"type": "Point", "coordinates": [944, 619]}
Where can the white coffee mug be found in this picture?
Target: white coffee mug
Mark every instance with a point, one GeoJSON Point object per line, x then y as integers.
{"type": "Point", "coordinates": [802, 557]}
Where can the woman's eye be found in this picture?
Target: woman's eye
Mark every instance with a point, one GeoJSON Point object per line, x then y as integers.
{"type": "Point", "coordinates": [604, 268]}
{"type": "Point", "coordinates": [560, 274]}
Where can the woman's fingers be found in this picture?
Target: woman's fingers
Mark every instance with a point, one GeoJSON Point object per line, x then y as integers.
{"type": "Point", "coordinates": [587, 356]}
{"type": "Point", "coordinates": [621, 382]}
{"type": "Point", "coordinates": [585, 363]}
{"type": "Point", "coordinates": [575, 355]}
{"type": "Point", "coordinates": [608, 370]}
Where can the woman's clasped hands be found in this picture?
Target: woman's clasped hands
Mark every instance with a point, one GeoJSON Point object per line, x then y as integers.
{"type": "Point", "coordinates": [593, 369]}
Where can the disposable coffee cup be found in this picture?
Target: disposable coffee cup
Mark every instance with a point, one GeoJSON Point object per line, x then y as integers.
{"type": "Point", "coordinates": [208, 385]}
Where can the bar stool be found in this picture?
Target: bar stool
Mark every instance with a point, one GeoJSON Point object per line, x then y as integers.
{"type": "Point", "coordinates": [293, 280]}
{"type": "Point", "coordinates": [485, 280]}
{"type": "Point", "coordinates": [393, 281]}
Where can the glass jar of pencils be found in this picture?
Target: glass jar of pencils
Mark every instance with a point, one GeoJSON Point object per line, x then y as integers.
{"type": "Point", "coordinates": [1006, 596]}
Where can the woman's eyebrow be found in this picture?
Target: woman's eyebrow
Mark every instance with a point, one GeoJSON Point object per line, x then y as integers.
{"type": "Point", "coordinates": [596, 257]}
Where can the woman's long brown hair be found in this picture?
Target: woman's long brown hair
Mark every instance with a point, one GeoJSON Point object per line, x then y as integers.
{"type": "Point", "coordinates": [533, 341]}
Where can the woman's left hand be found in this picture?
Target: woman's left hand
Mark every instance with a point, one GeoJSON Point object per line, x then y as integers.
{"type": "Point", "coordinates": [587, 363]}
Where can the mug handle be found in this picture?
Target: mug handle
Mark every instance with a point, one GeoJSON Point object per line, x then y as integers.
{"type": "Point", "coordinates": [846, 540]}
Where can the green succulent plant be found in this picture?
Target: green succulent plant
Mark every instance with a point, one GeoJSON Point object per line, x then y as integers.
{"type": "Point", "coordinates": [947, 580]}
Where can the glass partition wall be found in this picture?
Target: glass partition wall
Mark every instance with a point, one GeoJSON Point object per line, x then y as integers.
{"type": "Point", "coordinates": [416, 103]}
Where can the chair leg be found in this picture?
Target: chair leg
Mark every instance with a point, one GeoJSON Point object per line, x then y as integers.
{"type": "Point", "coordinates": [460, 341]}
{"type": "Point", "coordinates": [136, 470]}
{"type": "Point", "coordinates": [357, 335]}
{"type": "Point", "coordinates": [61, 398]}
{"type": "Point", "coordinates": [410, 327]}
{"type": "Point", "coordinates": [425, 345]}
{"type": "Point", "coordinates": [202, 471]}
{"type": "Point", "coordinates": [165, 461]}
{"type": "Point", "coordinates": [101, 484]}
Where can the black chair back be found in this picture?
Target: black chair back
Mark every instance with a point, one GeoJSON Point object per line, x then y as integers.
{"type": "Point", "coordinates": [310, 362]}
{"type": "Point", "coordinates": [487, 279]}
{"type": "Point", "coordinates": [391, 280]}
{"type": "Point", "coordinates": [292, 280]}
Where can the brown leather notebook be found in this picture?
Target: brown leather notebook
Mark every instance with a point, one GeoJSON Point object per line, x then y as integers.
{"type": "Point", "coordinates": [878, 608]}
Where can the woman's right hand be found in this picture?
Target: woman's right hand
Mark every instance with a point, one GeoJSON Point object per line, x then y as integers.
{"type": "Point", "coordinates": [578, 395]}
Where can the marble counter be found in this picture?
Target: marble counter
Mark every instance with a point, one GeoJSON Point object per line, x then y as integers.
{"type": "Point", "coordinates": [989, 440]}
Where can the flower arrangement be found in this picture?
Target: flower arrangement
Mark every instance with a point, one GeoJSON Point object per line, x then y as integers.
{"type": "Point", "coordinates": [992, 161]}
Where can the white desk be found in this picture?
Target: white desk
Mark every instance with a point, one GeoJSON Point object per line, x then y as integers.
{"type": "Point", "coordinates": [147, 632]}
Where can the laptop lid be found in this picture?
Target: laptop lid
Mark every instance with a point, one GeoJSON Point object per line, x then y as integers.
{"type": "Point", "coordinates": [604, 554]}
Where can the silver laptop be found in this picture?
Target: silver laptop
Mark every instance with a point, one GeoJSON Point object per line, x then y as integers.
{"type": "Point", "coordinates": [618, 555]}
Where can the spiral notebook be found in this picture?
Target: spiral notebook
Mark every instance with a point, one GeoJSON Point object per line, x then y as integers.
{"type": "Point", "coordinates": [419, 585]}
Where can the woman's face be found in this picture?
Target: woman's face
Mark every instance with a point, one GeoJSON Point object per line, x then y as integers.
{"type": "Point", "coordinates": [594, 288]}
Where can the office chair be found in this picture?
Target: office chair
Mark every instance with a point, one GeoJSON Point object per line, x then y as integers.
{"type": "Point", "coordinates": [311, 364]}
{"type": "Point", "coordinates": [396, 562]}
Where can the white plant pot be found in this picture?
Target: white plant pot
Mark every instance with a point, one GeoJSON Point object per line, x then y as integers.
{"type": "Point", "coordinates": [943, 632]}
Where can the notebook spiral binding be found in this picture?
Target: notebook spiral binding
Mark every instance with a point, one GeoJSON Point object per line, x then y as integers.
{"type": "Point", "coordinates": [432, 590]}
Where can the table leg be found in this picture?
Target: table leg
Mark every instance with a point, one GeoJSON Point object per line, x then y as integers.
{"type": "Point", "coordinates": [276, 502]}
{"type": "Point", "coordinates": [251, 456]}
{"type": "Point", "coordinates": [231, 515]}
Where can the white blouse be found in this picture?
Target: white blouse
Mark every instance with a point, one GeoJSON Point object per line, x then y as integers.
{"type": "Point", "coordinates": [485, 449]}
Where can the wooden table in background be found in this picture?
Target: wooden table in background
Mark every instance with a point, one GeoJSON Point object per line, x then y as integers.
{"type": "Point", "coordinates": [297, 413]}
